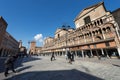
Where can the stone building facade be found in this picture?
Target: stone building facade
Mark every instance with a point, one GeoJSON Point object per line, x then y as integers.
{"type": "Point", "coordinates": [96, 33]}
{"type": "Point", "coordinates": [8, 44]}
{"type": "Point", "coordinates": [32, 47]}
{"type": "Point", "coordinates": [38, 50]}
{"type": "Point", "coordinates": [34, 50]}
{"type": "Point", "coordinates": [3, 26]}
{"type": "Point", "coordinates": [116, 15]}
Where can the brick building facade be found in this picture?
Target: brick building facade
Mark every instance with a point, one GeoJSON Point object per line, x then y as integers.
{"type": "Point", "coordinates": [96, 33]}
{"type": "Point", "coordinates": [8, 44]}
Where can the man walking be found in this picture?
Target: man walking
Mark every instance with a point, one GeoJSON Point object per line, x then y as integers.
{"type": "Point", "coordinates": [72, 56]}
{"type": "Point", "coordinates": [9, 64]}
{"type": "Point", "coordinates": [53, 56]}
{"type": "Point", "coordinates": [69, 57]}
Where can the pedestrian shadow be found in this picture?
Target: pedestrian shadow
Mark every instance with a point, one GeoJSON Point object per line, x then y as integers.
{"type": "Point", "coordinates": [28, 59]}
{"type": "Point", "coordinates": [18, 63]}
{"type": "Point", "coordinates": [116, 65]}
{"type": "Point", "coordinates": [23, 68]}
{"type": "Point", "coordinates": [55, 75]}
{"type": "Point", "coordinates": [85, 68]}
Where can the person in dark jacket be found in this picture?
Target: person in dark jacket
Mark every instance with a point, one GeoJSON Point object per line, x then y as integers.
{"type": "Point", "coordinates": [53, 56]}
{"type": "Point", "coordinates": [9, 64]}
{"type": "Point", "coordinates": [69, 57]}
{"type": "Point", "coordinates": [72, 56]}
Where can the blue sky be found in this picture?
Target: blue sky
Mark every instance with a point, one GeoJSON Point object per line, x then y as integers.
{"type": "Point", "coordinates": [36, 19]}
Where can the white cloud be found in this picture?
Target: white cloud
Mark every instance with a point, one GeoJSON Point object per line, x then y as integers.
{"type": "Point", "coordinates": [39, 38]}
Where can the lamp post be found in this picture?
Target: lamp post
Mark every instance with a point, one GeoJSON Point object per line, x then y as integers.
{"type": "Point", "coordinates": [28, 47]}
{"type": "Point", "coordinates": [66, 43]}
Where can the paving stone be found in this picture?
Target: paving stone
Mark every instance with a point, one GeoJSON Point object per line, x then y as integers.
{"type": "Point", "coordinates": [41, 68]}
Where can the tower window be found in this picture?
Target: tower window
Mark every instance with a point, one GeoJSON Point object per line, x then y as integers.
{"type": "Point", "coordinates": [58, 35]}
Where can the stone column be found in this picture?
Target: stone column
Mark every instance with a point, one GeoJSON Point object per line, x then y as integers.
{"type": "Point", "coordinates": [63, 53]}
{"type": "Point", "coordinates": [75, 53]}
{"type": "Point", "coordinates": [98, 55]}
{"type": "Point", "coordinates": [107, 53]}
{"type": "Point", "coordinates": [102, 34]}
{"type": "Point", "coordinates": [118, 49]}
{"type": "Point", "coordinates": [102, 51]}
{"type": "Point", "coordinates": [91, 53]}
{"type": "Point", "coordinates": [92, 37]}
{"type": "Point", "coordinates": [84, 38]}
{"type": "Point", "coordinates": [116, 28]}
{"type": "Point", "coordinates": [83, 54]}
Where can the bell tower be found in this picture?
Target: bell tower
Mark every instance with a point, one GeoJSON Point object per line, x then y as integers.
{"type": "Point", "coordinates": [20, 43]}
{"type": "Point", "coordinates": [32, 47]}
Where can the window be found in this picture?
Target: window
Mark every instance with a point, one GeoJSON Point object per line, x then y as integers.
{"type": "Point", "coordinates": [107, 44]}
{"type": "Point", "coordinates": [101, 21]}
{"type": "Point", "coordinates": [58, 35]}
{"type": "Point", "coordinates": [87, 20]}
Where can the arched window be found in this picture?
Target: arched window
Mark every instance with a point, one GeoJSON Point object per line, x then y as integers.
{"type": "Point", "coordinates": [86, 26]}
{"type": "Point", "coordinates": [91, 25]}
{"type": "Point", "coordinates": [108, 29]}
{"type": "Point", "coordinates": [101, 21]}
{"type": "Point", "coordinates": [58, 35]}
{"type": "Point", "coordinates": [98, 22]}
{"type": "Point", "coordinates": [98, 37]}
{"type": "Point", "coordinates": [96, 32]}
{"type": "Point", "coordinates": [104, 30]}
{"type": "Point", "coordinates": [82, 36]}
{"type": "Point", "coordinates": [90, 34]}
{"type": "Point", "coordinates": [95, 23]}
{"type": "Point", "coordinates": [93, 33]}
{"type": "Point", "coordinates": [99, 31]}
{"type": "Point", "coordinates": [87, 34]}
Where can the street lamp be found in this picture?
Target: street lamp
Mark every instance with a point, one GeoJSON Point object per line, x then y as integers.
{"type": "Point", "coordinates": [66, 48]}
{"type": "Point", "coordinates": [28, 47]}
{"type": "Point", "coordinates": [66, 43]}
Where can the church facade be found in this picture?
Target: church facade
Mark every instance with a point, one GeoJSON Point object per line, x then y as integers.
{"type": "Point", "coordinates": [96, 33]}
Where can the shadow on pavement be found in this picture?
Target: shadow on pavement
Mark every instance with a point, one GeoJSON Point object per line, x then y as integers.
{"type": "Point", "coordinates": [18, 63]}
{"type": "Point", "coordinates": [54, 75]}
{"type": "Point", "coordinates": [23, 68]}
{"type": "Point", "coordinates": [116, 65]}
{"type": "Point", "coordinates": [2, 65]}
{"type": "Point", "coordinates": [28, 59]}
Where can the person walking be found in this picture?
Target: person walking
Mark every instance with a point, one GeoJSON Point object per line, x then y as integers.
{"type": "Point", "coordinates": [69, 57]}
{"type": "Point", "coordinates": [53, 56]}
{"type": "Point", "coordinates": [66, 57]}
{"type": "Point", "coordinates": [72, 56]}
{"type": "Point", "coordinates": [9, 64]}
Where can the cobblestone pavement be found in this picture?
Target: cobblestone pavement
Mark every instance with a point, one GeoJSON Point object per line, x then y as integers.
{"type": "Point", "coordinates": [41, 68]}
